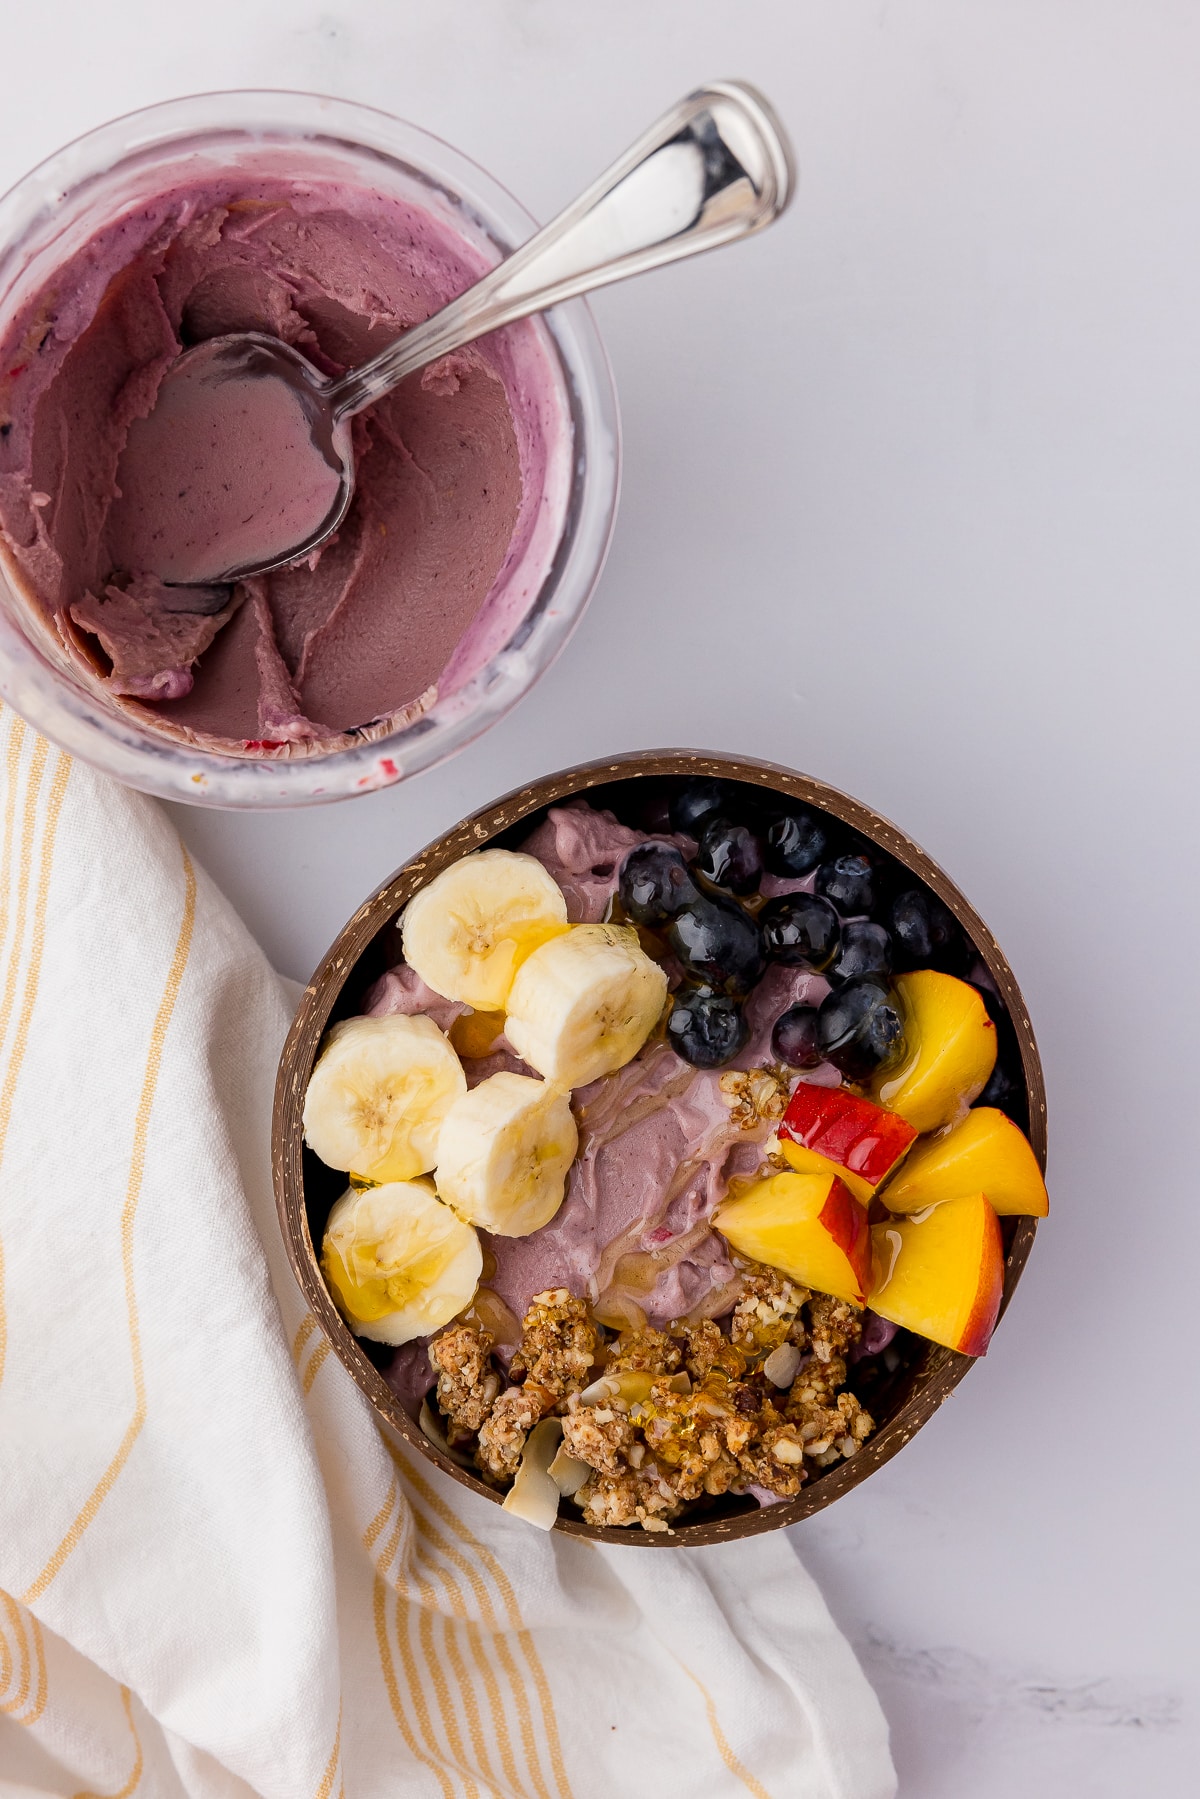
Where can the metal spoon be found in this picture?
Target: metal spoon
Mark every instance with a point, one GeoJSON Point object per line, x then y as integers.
{"type": "Point", "coordinates": [716, 168]}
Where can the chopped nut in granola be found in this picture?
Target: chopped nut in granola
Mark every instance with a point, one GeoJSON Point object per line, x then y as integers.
{"type": "Point", "coordinates": [776, 1461]}
{"type": "Point", "coordinates": [757, 1095]}
{"type": "Point", "coordinates": [467, 1383]}
{"type": "Point", "coordinates": [600, 1437]}
{"type": "Point", "coordinates": [834, 1325]}
{"type": "Point", "coordinates": [708, 1348]}
{"type": "Point", "coordinates": [502, 1434]}
{"type": "Point", "coordinates": [558, 1345]}
{"type": "Point", "coordinates": [651, 1351]}
{"type": "Point", "coordinates": [636, 1496]}
{"type": "Point", "coordinates": [768, 1312]}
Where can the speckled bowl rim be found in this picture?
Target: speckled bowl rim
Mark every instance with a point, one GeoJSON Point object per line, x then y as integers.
{"type": "Point", "coordinates": [940, 1370]}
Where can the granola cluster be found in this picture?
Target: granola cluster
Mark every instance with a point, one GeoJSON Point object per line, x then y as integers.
{"type": "Point", "coordinates": [657, 1421]}
{"type": "Point", "coordinates": [757, 1094]}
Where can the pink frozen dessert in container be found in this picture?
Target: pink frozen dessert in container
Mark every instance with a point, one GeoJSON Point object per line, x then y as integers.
{"type": "Point", "coordinates": [485, 490]}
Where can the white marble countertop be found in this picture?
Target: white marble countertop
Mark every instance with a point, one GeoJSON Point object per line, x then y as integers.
{"type": "Point", "coordinates": [911, 502]}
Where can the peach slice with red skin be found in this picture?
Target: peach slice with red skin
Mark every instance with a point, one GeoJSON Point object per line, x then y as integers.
{"type": "Point", "coordinates": [809, 1226]}
{"type": "Point", "coordinates": [986, 1152]}
{"type": "Point", "coordinates": [809, 1161]}
{"type": "Point", "coordinates": [831, 1128]}
{"type": "Point", "coordinates": [952, 1051]}
{"type": "Point", "coordinates": [941, 1273]}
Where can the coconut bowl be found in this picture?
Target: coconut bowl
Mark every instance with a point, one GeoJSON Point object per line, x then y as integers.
{"type": "Point", "coordinates": [926, 1374]}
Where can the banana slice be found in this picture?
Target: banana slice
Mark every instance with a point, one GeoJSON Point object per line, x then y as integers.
{"type": "Point", "coordinates": [378, 1094]}
{"type": "Point", "coordinates": [468, 932]}
{"type": "Point", "coordinates": [584, 1004]}
{"type": "Point", "coordinates": [398, 1262]}
{"type": "Point", "coordinates": [503, 1154]}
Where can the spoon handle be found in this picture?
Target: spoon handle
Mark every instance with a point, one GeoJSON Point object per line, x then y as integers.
{"type": "Point", "coordinates": [717, 167]}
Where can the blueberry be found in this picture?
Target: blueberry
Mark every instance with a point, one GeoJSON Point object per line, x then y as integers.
{"type": "Point", "coordinates": [795, 844]}
{"type": "Point", "coordinates": [926, 934]}
{"type": "Point", "coordinates": [993, 1005]}
{"type": "Point", "coordinates": [848, 883]}
{"type": "Point", "coordinates": [1002, 1090]}
{"type": "Point", "coordinates": [695, 801]}
{"type": "Point", "coordinates": [718, 944]}
{"type": "Point", "coordinates": [794, 1039]}
{"type": "Point", "coordinates": [800, 930]}
{"type": "Point", "coordinates": [1006, 1086]}
{"type": "Point", "coordinates": [645, 807]}
{"type": "Point", "coordinates": [860, 1031]}
{"type": "Point", "coordinates": [866, 952]}
{"type": "Point", "coordinates": [706, 1028]}
{"type": "Point", "coordinates": [654, 883]}
{"type": "Point", "coordinates": [730, 856]}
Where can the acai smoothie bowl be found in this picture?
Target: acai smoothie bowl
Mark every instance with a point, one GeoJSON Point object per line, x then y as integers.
{"type": "Point", "coordinates": [661, 1146]}
{"type": "Point", "coordinates": [486, 485]}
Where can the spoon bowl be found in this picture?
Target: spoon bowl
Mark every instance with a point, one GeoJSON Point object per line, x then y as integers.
{"type": "Point", "coordinates": [242, 466]}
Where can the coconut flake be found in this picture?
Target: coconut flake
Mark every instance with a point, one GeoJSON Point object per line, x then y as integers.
{"type": "Point", "coordinates": [568, 1473]}
{"type": "Point", "coordinates": [607, 1387]}
{"type": "Point", "coordinates": [533, 1495]}
{"type": "Point", "coordinates": [629, 1387]}
{"type": "Point", "coordinates": [782, 1365]}
{"type": "Point", "coordinates": [431, 1428]}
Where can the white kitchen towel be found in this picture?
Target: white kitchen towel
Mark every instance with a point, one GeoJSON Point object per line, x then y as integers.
{"type": "Point", "coordinates": [219, 1577]}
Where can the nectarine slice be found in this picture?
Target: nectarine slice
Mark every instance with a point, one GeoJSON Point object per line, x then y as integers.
{"type": "Point", "coordinates": [941, 1273]}
{"type": "Point", "coordinates": [952, 1051]}
{"type": "Point", "coordinates": [809, 1226]}
{"type": "Point", "coordinates": [986, 1153]}
{"type": "Point", "coordinates": [861, 1141]}
{"type": "Point", "coordinates": [809, 1161]}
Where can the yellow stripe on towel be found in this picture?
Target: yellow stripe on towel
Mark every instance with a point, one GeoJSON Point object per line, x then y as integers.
{"type": "Point", "coordinates": [133, 1193]}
